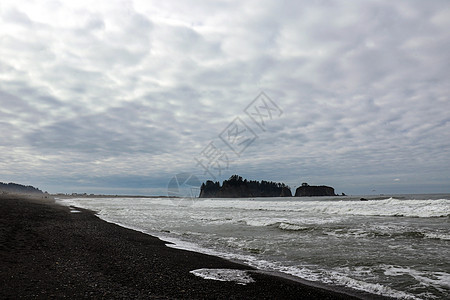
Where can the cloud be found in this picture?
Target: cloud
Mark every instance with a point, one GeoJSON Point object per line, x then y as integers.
{"type": "Point", "coordinates": [136, 89]}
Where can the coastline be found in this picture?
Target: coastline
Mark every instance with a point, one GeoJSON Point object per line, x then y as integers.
{"type": "Point", "coordinates": [48, 251]}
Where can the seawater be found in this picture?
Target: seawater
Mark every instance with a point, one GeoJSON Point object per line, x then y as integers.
{"type": "Point", "coordinates": [394, 246]}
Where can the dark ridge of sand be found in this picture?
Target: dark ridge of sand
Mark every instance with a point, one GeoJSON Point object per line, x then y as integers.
{"type": "Point", "coordinates": [48, 252]}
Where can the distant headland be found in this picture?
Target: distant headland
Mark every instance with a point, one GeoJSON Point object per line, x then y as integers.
{"type": "Point", "coordinates": [18, 188]}
{"type": "Point", "coordinates": [237, 187]}
{"type": "Point", "coordinates": [15, 191]}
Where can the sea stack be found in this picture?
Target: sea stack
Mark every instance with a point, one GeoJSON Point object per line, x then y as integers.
{"type": "Point", "coordinates": [306, 190]}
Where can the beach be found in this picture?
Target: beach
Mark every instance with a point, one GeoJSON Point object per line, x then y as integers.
{"type": "Point", "coordinates": [52, 251]}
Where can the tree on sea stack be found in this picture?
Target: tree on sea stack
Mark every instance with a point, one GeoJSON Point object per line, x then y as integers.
{"type": "Point", "coordinates": [237, 187]}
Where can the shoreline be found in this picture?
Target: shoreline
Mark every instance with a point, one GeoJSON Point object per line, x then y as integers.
{"type": "Point", "coordinates": [48, 251]}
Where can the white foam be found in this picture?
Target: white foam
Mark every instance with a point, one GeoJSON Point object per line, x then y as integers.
{"type": "Point", "coordinates": [283, 223]}
{"type": "Point", "coordinates": [386, 207]}
{"type": "Point", "coordinates": [238, 276]}
{"type": "Point", "coordinates": [435, 279]}
{"type": "Point", "coordinates": [438, 236]}
{"type": "Point", "coordinates": [261, 222]}
{"type": "Point", "coordinates": [374, 288]}
{"type": "Point", "coordinates": [293, 227]}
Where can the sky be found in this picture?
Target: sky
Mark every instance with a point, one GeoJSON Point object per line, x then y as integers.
{"type": "Point", "coordinates": [119, 97]}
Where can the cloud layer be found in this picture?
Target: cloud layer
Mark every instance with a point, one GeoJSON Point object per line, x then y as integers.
{"type": "Point", "coordinates": [121, 95]}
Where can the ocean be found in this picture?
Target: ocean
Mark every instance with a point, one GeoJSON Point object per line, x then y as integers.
{"type": "Point", "coordinates": [395, 246]}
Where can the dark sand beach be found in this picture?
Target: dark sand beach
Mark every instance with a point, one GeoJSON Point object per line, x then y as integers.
{"type": "Point", "coordinates": [47, 251]}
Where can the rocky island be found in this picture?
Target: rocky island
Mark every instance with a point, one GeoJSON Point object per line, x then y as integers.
{"type": "Point", "coordinates": [306, 190]}
{"type": "Point", "coordinates": [237, 187]}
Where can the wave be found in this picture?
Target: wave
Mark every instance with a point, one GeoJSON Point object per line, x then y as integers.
{"type": "Point", "coordinates": [327, 228]}
{"type": "Point", "coordinates": [437, 236]}
{"type": "Point", "coordinates": [292, 227]}
{"type": "Point", "coordinates": [371, 234]}
{"type": "Point", "coordinates": [437, 280]}
{"type": "Point", "coordinates": [342, 279]}
{"type": "Point", "coordinates": [393, 231]}
{"type": "Point", "coordinates": [283, 225]}
{"type": "Point", "coordinates": [374, 288]}
{"type": "Point", "coordinates": [289, 224]}
{"type": "Point", "coordinates": [390, 207]}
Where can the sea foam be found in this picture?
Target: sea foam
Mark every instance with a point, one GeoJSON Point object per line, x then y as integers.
{"type": "Point", "coordinates": [238, 276]}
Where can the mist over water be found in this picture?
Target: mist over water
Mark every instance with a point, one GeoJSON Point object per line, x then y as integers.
{"type": "Point", "coordinates": [397, 246]}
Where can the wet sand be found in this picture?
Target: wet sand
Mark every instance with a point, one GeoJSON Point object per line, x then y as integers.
{"type": "Point", "coordinates": [47, 251]}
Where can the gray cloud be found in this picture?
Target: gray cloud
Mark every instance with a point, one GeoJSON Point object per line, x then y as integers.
{"type": "Point", "coordinates": [117, 91]}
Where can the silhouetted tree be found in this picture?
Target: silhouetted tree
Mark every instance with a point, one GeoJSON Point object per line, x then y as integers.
{"type": "Point", "coordinates": [243, 188]}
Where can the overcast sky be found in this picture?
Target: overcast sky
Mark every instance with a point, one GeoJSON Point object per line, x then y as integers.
{"type": "Point", "coordinates": [118, 97]}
